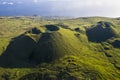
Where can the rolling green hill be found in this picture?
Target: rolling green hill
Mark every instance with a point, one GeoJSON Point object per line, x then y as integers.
{"type": "Point", "coordinates": [34, 48]}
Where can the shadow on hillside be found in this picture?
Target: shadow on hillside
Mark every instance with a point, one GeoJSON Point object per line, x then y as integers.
{"type": "Point", "coordinates": [18, 52]}
{"type": "Point", "coordinates": [24, 52]}
{"type": "Point", "coordinates": [101, 32]}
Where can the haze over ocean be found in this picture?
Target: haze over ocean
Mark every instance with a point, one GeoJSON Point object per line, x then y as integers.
{"type": "Point", "coordinates": [77, 8]}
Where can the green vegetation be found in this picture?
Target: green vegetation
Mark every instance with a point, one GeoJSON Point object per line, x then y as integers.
{"type": "Point", "coordinates": [102, 31]}
{"type": "Point", "coordinates": [33, 48]}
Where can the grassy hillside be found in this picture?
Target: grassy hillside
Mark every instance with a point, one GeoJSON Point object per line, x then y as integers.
{"type": "Point", "coordinates": [34, 48]}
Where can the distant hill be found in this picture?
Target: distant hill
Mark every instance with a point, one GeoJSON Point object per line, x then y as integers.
{"type": "Point", "coordinates": [101, 32]}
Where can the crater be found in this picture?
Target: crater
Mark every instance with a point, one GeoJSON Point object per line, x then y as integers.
{"type": "Point", "coordinates": [52, 27]}
{"type": "Point", "coordinates": [101, 32]}
{"type": "Point", "coordinates": [34, 31]}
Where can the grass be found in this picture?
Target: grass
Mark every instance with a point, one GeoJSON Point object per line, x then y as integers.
{"type": "Point", "coordinates": [73, 56]}
{"type": "Point", "coordinates": [3, 44]}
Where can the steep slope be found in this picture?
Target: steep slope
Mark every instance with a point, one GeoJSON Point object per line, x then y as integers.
{"type": "Point", "coordinates": [34, 47]}
{"type": "Point", "coordinates": [17, 52]}
{"type": "Point", "coordinates": [101, 32]}
{"type": "Point", "coordinates": [55, 45]}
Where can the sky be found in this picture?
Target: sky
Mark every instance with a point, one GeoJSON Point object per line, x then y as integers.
{"type": "Point", "coordinates": [75, 8]}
